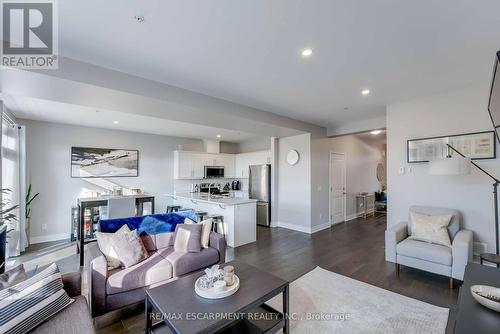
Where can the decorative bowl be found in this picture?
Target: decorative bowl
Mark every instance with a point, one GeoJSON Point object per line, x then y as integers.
{"type": "Point", "coordinates": [487, 296]}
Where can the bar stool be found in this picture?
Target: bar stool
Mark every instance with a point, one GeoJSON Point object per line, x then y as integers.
{"type": "Point", "coordinates": [217, 221]}
{"type": "Point", "coordinates": [173, 208]}
{"type": "Point", "coordinates": [200, 215]}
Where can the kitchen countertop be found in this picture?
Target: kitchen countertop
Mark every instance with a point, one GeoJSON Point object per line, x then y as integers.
{"type": "Point", "coordinates": [202, 197]}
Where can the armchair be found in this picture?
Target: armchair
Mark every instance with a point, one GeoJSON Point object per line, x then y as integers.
{"type": "Point", "coordinates": [438, 259]}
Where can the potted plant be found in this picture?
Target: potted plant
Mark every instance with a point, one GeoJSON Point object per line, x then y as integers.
{"type": "Point", "coordinates": [29, 201]}
{"type": "Point", "coordinates": [6, 216]}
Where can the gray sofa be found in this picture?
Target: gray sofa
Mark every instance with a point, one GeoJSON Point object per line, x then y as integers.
{"type": "Point", "coordinates": [113, 289]}
{"type": "Point", "coordinates": [433, 258]}
{"type": "Point", "coordinates": [75, 318]}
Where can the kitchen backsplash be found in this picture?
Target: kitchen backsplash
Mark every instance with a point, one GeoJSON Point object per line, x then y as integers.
{"type": "Point", "coordinates": [183, 186]}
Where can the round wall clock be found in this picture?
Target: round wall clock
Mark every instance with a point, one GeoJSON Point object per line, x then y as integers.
{"type": "Point", "coordinates": [292, 157]}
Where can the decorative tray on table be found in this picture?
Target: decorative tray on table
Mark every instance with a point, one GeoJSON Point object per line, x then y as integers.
{"type": "Point", "coordinates": [216, 292]}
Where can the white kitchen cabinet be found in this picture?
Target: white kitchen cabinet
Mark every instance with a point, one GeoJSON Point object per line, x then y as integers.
{"type": "Point", "coordinates": [198, 163]}
{"type": "Point", "coordinates": [226, 160]}
{"type": "Point", "coordinates": [191, 165]}
{"type": "Point", "coordinates": [244, 160]}
{"type": "Point", "coordinates": [182, 165]}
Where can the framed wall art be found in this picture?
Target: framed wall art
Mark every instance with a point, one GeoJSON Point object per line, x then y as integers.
{"type": "Point", "coordinates": [89, 162]}
{"type": "Point", "coordinates": [477, 145]}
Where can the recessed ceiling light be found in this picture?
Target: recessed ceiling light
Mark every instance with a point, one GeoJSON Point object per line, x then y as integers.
{"type": "Point", "coordinates": [307, 52]}
{"type": "Point", "coordinates": [139, 18]}
{"type": "Point", "coordinates": [365, 92]}
{"type": "Point", "coordinates": [115, 122]}
{"type": "Point", "coordinates": [375, 132]}
{"type": "Point", "coordinates": [219, 136]}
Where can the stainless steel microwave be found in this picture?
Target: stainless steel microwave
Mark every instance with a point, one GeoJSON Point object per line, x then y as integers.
{"type": "Point", "coordinates": [212, 172]}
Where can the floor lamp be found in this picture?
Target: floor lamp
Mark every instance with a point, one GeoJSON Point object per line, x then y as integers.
{"type": "Point", "coordinates": [460, 166]}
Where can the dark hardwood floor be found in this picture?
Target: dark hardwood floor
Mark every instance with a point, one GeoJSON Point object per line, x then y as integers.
{"type": "Point", "coordinates": [354, 249]}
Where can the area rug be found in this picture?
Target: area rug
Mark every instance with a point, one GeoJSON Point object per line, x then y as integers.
{"type": "Point", "coordinates": [325, 302]}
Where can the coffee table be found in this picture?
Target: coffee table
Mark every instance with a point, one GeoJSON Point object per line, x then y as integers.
{"type": "Point", "coordinates": [176, 308]}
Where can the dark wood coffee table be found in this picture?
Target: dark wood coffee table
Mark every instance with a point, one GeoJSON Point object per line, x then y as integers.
{"type": "Point", "coordinates": [473, 317]}
{"type": "Point", "coordinates": [176, 308]}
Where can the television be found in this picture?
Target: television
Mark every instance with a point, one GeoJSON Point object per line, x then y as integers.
{"type": "Point", "coordinates": [494, 103]}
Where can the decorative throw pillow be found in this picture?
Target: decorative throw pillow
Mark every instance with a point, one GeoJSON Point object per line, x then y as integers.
{"type": "Point", "coordinates": [104, 241]}
{"type": "Point", "coordinates": [12, 276]}
{"type": "Point", "coordinates": [188, 238]}
{"type": "Point", "coordinates": [29, 303]}
{"type": "Point", "coordinates": [206, 228]}
{"type": "Point", "coordinates": [129, 248]}
{"type": "Point", "coordinates": [433, 229]}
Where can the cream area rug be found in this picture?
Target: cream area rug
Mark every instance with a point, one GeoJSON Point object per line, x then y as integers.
{"type": "Point", "coordinates": [325, 302]}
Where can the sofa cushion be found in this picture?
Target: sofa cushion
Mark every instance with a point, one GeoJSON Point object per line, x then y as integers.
{"type": "Point", "coordinates": [73, 319]}
{"type": "Point", "coordinates": [188, 238]}
{"type": "Point", "coordinates": [152, 270]}
{"type": "Point", "coordinates": [28, 303]}
{"type": "Point", "coordinates": [425, 251]}
{"type": "Point", "coordinates": [164, 240]}
{"type": "Point", "coordinates": [149, 242]}
{"type": "Point", "coordinates": [129, 248]}
{"type": "Point", "coordinates": [183, 263]}
{"type": "Point", "coordinates": [206, 228]}
{"type": "Point", "coordinates": [105, 241]}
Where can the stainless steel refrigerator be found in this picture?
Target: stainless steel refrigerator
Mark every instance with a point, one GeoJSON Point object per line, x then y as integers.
{"type": "Point", "coordinates": [259, 188]}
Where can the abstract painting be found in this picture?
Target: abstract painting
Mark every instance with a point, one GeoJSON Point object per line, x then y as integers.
{"type": "Point", "coordinates": [104, 162]}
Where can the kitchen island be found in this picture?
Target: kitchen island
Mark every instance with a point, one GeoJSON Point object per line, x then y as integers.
{"type": "Point", "coordinates": [240, 214]}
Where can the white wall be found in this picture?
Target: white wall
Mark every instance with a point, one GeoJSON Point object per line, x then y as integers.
{"type": "Point", "coordinates": [445, 114]}
{"type": "Point", "coordinates": [362, 158]}
{"type": "Point", "coordinates": [260, 143]}
{"type": "Point", "coordinates": [294, 184]}
{"type": "Point", "coordinates": [320, 148]}
{"type": "Point", "coordinates": [48, 152]}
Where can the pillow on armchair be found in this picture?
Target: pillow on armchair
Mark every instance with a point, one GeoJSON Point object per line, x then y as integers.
{"type": "Point", "coordinates": [430, 228]}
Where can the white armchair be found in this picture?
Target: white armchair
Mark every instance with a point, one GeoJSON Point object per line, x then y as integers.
{"type": "Point", "coordinates": [433, 258]}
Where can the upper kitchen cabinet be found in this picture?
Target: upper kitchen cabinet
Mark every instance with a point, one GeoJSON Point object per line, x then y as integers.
{"type": "Point", "coordinates": [226, 160]}
{"type": "Point", "coordinates": [244, 160]}
{"type": "Point", "coordinates": [182, 165]}
{"type": "Point", "coordinates": [191, 165]}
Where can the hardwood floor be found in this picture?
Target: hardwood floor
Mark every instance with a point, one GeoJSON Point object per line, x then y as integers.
{"type": "Point", "coordinates": [354, 249]}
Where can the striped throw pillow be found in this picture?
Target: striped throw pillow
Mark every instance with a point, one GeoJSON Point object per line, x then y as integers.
{"type": "Point", "coordinates": [29, 303]}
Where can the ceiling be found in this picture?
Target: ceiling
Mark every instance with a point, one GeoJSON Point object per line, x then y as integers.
{"type": "Point", "coordinates": [249, 52]}
{"type": "Point", "coordinates": [49, 111]}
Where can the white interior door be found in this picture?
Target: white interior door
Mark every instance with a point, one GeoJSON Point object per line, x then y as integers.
{"type": "Point", "coordinates": [337, 187]}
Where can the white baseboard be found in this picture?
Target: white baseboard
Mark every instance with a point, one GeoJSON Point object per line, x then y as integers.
{"type": "Point", "coordinates": [304, 229]}
{"type": "Point", "coordinates": [320, 227]}
{"type": "Point", "coordinates": [351, 217]}
{"type": "Point", "coordinates": [47, 238]}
